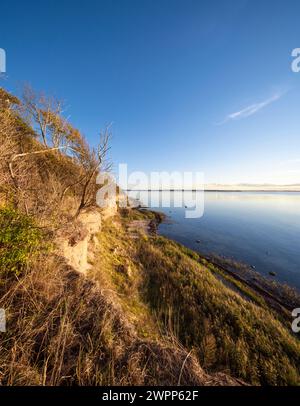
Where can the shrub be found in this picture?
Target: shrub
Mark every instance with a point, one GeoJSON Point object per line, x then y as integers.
{"type": "Point", "coordinates": [20, 239]}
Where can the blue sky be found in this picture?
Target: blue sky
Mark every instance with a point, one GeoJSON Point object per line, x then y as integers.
{"type": "Point", "coordinates": [188, 85]}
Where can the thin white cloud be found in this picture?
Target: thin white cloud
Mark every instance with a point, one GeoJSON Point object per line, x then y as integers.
{"type": "Point", "coordinates": [290, 162]}
{"type": "Point", "coordinates": [250, 110]}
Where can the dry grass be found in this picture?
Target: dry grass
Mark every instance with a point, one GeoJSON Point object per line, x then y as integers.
{"type": "Point", "coordinates": [63, 330]}
{"type": "Point", "coordinates": [226, 331]}
{"type": "Point", "coordinates": [171, 295]}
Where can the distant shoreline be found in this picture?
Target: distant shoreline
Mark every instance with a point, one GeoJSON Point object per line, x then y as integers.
{"type": "Point", "coordinates": [213, 190]}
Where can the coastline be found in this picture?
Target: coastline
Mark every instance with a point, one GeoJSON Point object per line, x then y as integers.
{"type": "Point", "coordinates": [241, 278]}
{"type": "Point", "coordinates": [281, 298]}
{"type": "Point", "coordinates": [227, 188]}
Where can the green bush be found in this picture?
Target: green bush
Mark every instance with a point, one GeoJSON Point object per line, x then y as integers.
{"type": "Point", "coordinates": [20, 239]}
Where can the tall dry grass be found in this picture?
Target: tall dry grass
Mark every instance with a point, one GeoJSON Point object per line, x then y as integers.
{"type": "Point", "coordinates": [63, 330]}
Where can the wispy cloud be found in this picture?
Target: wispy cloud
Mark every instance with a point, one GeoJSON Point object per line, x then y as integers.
{"type": "Point", "coordinates": [290, 162]}
{"type": "Point", "coordinates": [250, 110]}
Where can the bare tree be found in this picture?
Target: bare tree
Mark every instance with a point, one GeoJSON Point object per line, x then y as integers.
{"type": "Point", "coordinates": [61, 157]}
{"type": "Point", "coordinates": [95, 162]}
{"type": "Point", "coordinates": [45, 113]}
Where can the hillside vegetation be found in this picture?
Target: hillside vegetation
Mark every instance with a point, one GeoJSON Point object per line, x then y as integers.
{"type": "Point", "coordinates": [149, 311]}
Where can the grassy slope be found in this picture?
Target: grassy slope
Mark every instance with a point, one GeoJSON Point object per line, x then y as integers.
{"type": "Point", "coordinates": [152, 315]}
{"type": "Point", "coordinates": [65, 329]}
{"type": "Point", "coordinates": [167, 291]}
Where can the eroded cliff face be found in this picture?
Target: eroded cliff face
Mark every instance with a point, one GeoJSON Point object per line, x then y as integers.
{"type": "Point", "coordinates": [78, 244]}
{"type": "Point", "coordinates": [78, 241]}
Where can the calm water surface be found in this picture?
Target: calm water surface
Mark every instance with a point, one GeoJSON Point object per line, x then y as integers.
{"type": "Point", "coordinates": [257, 228]}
